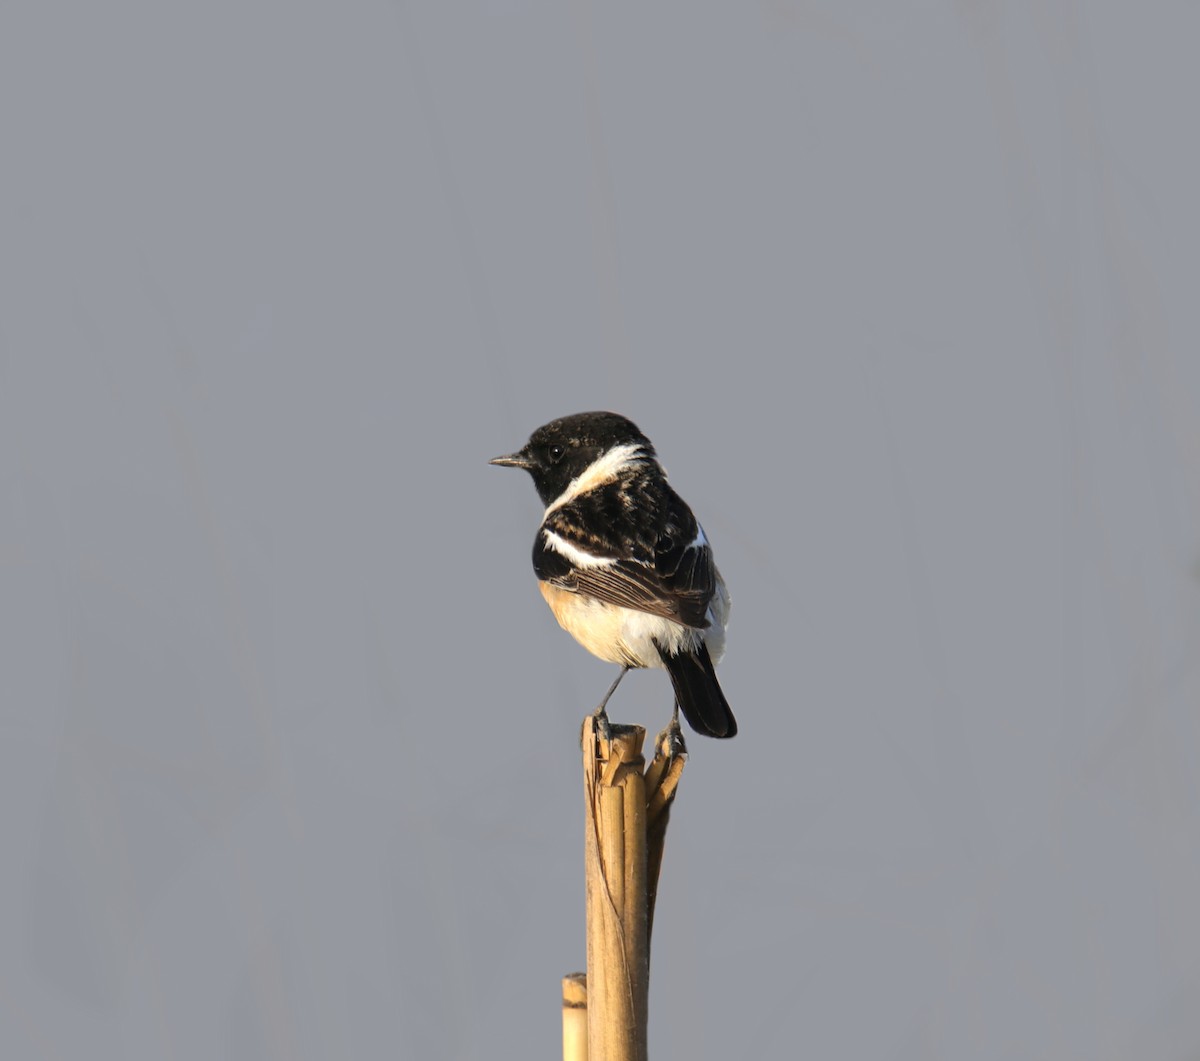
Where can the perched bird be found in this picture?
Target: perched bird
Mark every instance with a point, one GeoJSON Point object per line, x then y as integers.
{"type": "Point", "coordinates": [622, 562]}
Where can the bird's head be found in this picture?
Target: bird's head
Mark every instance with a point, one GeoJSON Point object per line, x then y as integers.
{"type": "Point", "coordinates": [564, 449]}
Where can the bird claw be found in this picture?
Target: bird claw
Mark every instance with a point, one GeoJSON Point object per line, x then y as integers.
{"type": "Point", "coordinates": [601, 727]}
{"type": "Point", "coordinates": [670, 738]}
{"type": "Point", "coordinates": [601, 723]}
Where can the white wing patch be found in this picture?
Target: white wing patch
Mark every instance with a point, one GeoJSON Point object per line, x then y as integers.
{"type": "Point", "coordinates": [573, 553]}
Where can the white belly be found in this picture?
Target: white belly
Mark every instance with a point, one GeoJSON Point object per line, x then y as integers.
{"type": "Point", "coordinates": [632, 638]}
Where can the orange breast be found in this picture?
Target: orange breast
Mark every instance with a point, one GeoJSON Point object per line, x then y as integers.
{"type": "Point", "coordinates": [595, 625]}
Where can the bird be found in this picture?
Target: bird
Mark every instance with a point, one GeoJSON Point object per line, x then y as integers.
{"type": "Point", "coordinates": [623, 563]}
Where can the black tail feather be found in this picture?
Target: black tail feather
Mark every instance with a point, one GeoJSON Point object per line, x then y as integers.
{"type": "Point", "coordinates": [699, 694]}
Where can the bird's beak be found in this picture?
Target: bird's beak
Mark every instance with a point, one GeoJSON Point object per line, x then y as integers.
{"type": "Point", "coordinates": [520, 459]}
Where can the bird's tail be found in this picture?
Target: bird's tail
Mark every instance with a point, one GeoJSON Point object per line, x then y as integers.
{"type": "Point", "coordinates": [698, 692]}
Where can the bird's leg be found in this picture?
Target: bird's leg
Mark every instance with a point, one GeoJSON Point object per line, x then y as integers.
{"type": "Point", "coordinates": [668, 745]}
{"type": "Point", "coordinates": [611, 689]}
{"type": "Point", "coordinates": [600, 714]}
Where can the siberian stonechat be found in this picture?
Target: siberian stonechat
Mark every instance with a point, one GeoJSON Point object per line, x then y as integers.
{"type": "Point", "coordinates": [622, 562]}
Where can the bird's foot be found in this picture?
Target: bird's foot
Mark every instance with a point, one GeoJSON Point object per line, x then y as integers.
{"type": "Point", "coordinates": [670, 740]}
{"type": "Point", "coordinates": [601, 723]}
{"type": "Point", "coordinates": [601, 727]}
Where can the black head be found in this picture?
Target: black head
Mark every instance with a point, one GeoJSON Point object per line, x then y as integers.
{"type": "Point", "coordinates": [559, 451]}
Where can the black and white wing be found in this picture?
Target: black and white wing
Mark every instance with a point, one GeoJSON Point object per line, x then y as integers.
{"type": "Point", "coordinates": [656, 560]}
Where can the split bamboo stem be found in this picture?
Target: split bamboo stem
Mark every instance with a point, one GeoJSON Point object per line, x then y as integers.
{"type": "Point", "coordinates": [626, 815]}
{"type": "Point", "coordinates": [662, 779]}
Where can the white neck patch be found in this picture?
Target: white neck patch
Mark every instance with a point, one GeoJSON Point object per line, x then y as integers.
{"type": "Point", "coordinates": [604, 469]}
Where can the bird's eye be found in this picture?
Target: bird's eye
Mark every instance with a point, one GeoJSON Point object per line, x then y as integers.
{"type": "Point", "coordinates": [555, 453]}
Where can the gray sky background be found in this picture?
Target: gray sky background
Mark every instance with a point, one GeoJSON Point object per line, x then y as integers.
{"type": "Point", "coordinates": [906, 295]}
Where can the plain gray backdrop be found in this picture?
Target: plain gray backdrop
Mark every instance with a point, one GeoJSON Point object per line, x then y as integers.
{"type": "Point", "coordinates": [906, 295]}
